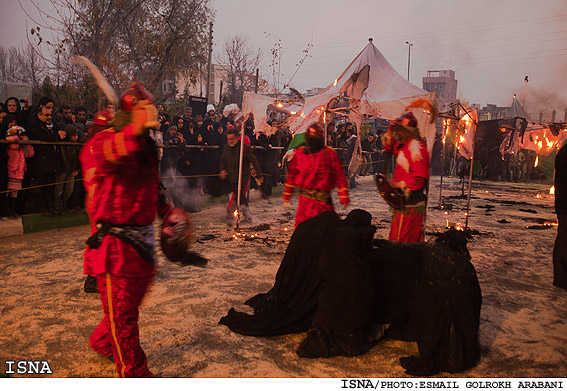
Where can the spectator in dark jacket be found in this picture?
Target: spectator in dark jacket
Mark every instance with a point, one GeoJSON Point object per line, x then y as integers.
{"type": "Point", "coordinates": [43, 166]}
{"type": "Point", "coordinates": [68, 171]}
{"type": "Point", "coordinates": [229, 167]}
{"type": "Point", "coordinates": [13, 107]}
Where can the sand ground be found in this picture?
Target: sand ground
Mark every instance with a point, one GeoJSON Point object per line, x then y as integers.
{"type": "Point", "coordinates": [45, 315]}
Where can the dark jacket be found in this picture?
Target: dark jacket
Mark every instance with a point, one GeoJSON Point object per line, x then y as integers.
{"type": "Point", "coordinates": [47, 158]}
{"type": "Point", "coordinates": [230, 160]}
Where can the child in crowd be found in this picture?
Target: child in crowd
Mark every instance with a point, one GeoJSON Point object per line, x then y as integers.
{"type": "Point", "coordinates": [17, 154]}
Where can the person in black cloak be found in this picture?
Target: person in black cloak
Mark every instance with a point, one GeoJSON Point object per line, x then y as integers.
{"type": "Point", "coordinates": [350, 296]}
{"type": "Point", "coordinates": [346, 292]}
{"type": "Point", "coordinates": [427, 293]}
{"type": "Point", "coordinates": [289, 307]}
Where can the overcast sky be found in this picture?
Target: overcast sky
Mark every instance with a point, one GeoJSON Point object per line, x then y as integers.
{"type": "Point", "coordinates": [490, 44]}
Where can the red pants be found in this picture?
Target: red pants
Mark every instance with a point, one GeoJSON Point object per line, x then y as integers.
{"type": "Point", "coordinates": [117, 334]}
{"type": "Point", "coordinates": [407, 225]}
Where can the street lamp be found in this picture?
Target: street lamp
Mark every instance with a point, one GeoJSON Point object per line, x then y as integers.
{"type": "Point", "coordinates": [409, 55]}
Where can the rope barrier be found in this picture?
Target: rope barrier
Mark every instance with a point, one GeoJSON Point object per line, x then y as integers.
{"type": "Point", "coordinates": [191, 146]}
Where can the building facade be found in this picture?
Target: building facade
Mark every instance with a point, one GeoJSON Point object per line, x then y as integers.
{"type": "Point", "coordinates": [443, 83]}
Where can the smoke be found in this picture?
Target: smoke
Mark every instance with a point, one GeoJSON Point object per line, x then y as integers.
{"type": "Point", "coordinates": [540, 100]}
{"type": "Point", "coordinates": [178, 191]}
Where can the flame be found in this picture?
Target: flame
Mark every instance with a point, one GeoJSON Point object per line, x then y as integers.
{"type": "Point", "coordinates": [280, 105]}
{"type": "Point", "coordinates": [236, 213]}
{"type": "Point", "coordinates": [448, 225]}
{"type": "Point", "coordinates": [335, 83]}
{"type": "Point", "coordinates": [458, 227]}
{"type": "Point", "coordinates": [536, 161]}
{"type": "Point", "coordinates": [538, 195]}
{"type": "Point", "coordinates": [285, 229]}
{"type": "Point", "coordinates": [324, 117]}
{"type": "Point", "coordinates": [552, 190]}
{"type": "Point", "coordinates": [293, 112]}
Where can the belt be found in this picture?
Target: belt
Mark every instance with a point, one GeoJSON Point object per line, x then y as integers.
{"type": "Point", "coordinates": [140, 237]}
{"type": "Point", "coordinates": [319, 195]}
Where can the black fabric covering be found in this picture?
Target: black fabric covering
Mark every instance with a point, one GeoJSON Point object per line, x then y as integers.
{"type": "Point", "coordinates": [334, 284]}
{"type": "Point", "coordinates": [430, 294]}
{"type": "Point", "coordinates": [346, 294]}
{"type": "Point", "coordinates": [290, 305]}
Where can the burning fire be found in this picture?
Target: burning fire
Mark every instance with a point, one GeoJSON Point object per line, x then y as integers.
{"type": "Point", "coordinates": [552, 190]}
{"type": "Point", "coordinates": [538, 195]}
{"type": "Point", "coordinates": [335, 83]}
{"type": "Point", "coordinates": [293, 112]}
{"type": "Point", "coordinates": [280, 105]}
{"type": "Point", "coordinates": [536, 161]}
{"type": "Point", "coordinates": [236, 213]}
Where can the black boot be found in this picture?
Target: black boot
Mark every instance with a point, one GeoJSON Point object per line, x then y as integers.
{"type": "Point", "coordinates": [90, 284]}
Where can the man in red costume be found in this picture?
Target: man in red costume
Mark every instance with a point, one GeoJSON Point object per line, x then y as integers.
{"type": "Point", "coordinates": [88, 167]}
{"type": "Point", "coordinates": [411, 176]}
{"type": "Point", "coordinates": [315, 169]}
{"type": "Point", "coordinates": [120, 251]}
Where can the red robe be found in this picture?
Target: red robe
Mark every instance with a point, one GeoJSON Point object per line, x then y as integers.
{"type": "Point", "coordinates": [412, 167]}
{"type": "Point", "coordinates": [124, 189]}
{"type": "Point", "coordinates": [315, 171]}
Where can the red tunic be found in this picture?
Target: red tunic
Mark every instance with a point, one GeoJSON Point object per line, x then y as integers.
{"type": "Point", "coordinates": [315, 171]}
{"type": "Point", "coordinates": [126, 192]}
{"type": "Point", "coordinates": [412, 167]}
{"type": "Point", "coordinates": [412, 164]}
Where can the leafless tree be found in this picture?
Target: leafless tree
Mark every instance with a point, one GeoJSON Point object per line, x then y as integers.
{"type": "Point", "coordinates": [240, 62]}
{"type": "Point", "coordinates": [129, 40]}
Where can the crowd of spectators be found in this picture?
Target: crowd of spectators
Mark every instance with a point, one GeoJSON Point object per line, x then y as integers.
{"type": "Point", "coordinates": [46, 172]}
{"type": "Point", "coordinates": [51, 177]}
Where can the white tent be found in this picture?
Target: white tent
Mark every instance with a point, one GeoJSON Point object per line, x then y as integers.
{"type": "Point", "coordinates": [370, 85]}
{"type": "Point", "coordinates": [18, 90]}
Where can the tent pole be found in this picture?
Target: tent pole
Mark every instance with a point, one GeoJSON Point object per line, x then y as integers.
{"type": "Point", "coordinates": [469, 196]}
{"type": "Point", "coordinates": [442, 164]}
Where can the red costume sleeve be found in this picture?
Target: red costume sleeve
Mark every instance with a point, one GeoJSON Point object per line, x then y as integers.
{"type": "Point", "coordinates": [117, 149]}
{"type": "Point", "coordinates": [290, 182]}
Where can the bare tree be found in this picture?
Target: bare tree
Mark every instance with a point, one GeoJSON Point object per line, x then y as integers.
{"type": "Point", "coordinates": [240, 62]}
{"type": "Point", "coordinates": [21, 65]}
{"type": "Point", "coordinates": [129, 40]}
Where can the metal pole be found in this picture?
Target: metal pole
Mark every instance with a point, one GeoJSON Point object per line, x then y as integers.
{"type": "Point", "coordinates": [470, 175]}
{"type": "Point", "coordinates": [209, 64]}
{"type": "Point", "coordinates": [470, 187]}
{"type": "Point", "coordinates": [409, 55]}
{"type": "Point", "coordinates": [443, 162]}
{"type": "Point", "coordinates": [525, 87]}
{"type": "Point", "coordinates": [257, 79]}
{"type": "Point", "coordinates": [239, 180]}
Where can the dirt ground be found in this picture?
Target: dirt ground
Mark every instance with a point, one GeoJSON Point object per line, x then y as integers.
{"type": "Point", "coordinates": [45, 315]}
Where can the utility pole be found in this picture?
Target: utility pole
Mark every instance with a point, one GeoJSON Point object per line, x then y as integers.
{"type": "Point", "coordinates": [525, 88]}
{"type": "Point", "coordinates": [209, 66]}
{"type": "Point", "coordinates": [256, 82]}
{"type": "Point", "coordinates": [409, 55]}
